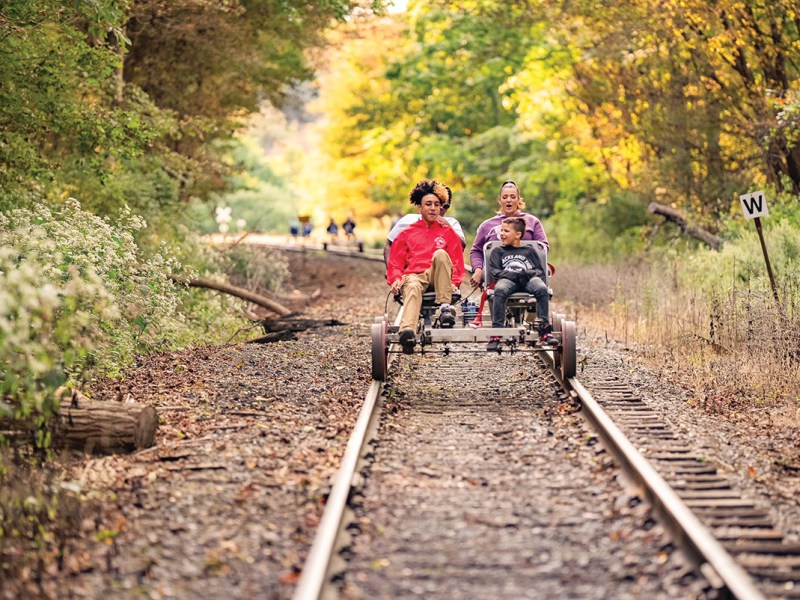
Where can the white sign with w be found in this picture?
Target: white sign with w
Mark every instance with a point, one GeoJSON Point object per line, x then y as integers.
{"type": "Point", "coordinates": [754, 205]}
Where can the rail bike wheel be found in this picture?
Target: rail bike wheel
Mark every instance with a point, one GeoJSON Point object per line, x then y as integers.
{"type": "Point", "coordinates": [379, 351]}
{"type": "Point", "coordinates": [569, 356]}
{"type": "Point", "coordinates": [558, 320]}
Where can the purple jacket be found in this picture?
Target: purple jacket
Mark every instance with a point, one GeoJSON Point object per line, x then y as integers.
{"type": "Point", "coordinates": [490, 230]}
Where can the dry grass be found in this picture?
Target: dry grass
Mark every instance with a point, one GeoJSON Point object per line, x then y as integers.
{"type": "Point", "coordinates": [739, 351]}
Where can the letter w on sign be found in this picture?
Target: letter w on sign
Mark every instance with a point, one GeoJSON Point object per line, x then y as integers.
{"type": "Point", "coordinates": [754, 205]}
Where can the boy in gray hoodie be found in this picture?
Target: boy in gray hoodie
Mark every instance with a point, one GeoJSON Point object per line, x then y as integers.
{"type": "Point", "coordinates": [517, 268]}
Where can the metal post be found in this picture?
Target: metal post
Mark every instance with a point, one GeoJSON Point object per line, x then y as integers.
{"type": "Point", "coordinates": [766, 258]}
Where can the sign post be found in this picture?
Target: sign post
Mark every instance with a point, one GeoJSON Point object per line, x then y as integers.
{"type": "Point", "coordinates": [754, 206]}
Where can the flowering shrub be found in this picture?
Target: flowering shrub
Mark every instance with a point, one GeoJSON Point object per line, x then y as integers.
{"type": "Point", "coordinates": [77, 297]}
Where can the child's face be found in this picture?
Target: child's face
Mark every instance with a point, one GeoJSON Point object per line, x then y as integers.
{"type": "Point", "coordinates": [509, 235]}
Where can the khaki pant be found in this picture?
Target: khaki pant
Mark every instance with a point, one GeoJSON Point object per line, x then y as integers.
{"type": "Point", "coordinates": [413, 284]}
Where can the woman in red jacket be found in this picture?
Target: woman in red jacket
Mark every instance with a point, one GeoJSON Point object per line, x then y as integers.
{"type": "Point", "coordinates": [426, 252]}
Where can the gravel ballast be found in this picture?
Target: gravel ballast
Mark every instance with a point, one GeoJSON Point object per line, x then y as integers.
{"type": "Point", "coordinates": [251, 435]}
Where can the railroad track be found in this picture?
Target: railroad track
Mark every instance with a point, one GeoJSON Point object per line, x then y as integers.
{"type": "Point", "coordinates": [725, 534]}
{"type": "Point", "coordinates": [725, 538]}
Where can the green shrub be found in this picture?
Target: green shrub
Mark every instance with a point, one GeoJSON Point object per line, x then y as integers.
{"type": "Point", "coordinates": [740, 262]}
{"type": "Point", "coordinates": [77, 297]}
{"type": "Point", "coordinates": [601, 231]}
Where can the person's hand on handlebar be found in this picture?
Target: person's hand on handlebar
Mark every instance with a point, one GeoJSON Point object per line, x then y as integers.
{"type": "Point", "coordinates": [395, 286]}
{"type": "Point", "coordinates": [477, 277]}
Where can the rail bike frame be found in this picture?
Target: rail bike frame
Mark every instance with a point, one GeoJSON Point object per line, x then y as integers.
{"type": "Point", "coordinates": [522, 338]}
{"type": "Point", "coordinates": [520, 334]}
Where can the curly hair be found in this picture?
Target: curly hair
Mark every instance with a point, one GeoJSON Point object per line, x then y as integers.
{"type": "Point", "coordinates": [519, 193]}
{"type": "Point", "coordinates": [425, 187]}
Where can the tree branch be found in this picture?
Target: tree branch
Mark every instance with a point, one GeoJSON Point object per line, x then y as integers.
{"type": "Point", "coordinates": [670, 214]}
{"type": "Point", "coordinates": [238, 292]}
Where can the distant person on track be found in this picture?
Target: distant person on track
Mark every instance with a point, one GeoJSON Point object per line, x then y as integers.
{"type": "Point", "coordinates": [511, 205]}
{"type": "Point", "coordinates": [349, 227]}
{"type": "Point", "coordinates": [333, 231]}
{"type": "Point", "coordinates": [517, 268]}
{"type": "Point", "coordinates": [406, 220]}
{"type": "Point", "coordinates": [426, 252]}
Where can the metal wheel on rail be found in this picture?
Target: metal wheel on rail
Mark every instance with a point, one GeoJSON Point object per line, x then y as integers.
{"type": "Point", "coordinates": [558, 320]}
{"type": "Point", "coordinates": [569, 353]}
{"type": "Point", "coordinates": [380, 351]}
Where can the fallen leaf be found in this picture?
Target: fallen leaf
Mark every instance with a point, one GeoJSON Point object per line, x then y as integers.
{"type": "Point", "coordinates": [290, 578]}
{"type": "Point", "coordinates": [245, 493]}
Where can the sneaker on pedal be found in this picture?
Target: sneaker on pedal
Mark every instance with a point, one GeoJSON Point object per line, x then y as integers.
{"type": "Point", "coordinates": [494, 344]}
{"type": "Point", "coordinates": [447, 320]}
{"type": "Point", "coordinates": [407, 341]}
{"type": "Point", "coordinates": [546, 334]}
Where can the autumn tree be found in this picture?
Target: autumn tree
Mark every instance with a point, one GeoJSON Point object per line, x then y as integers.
{"type": "Point", "coordinates": [429, 103]}
{"type": "Point", "coordinates": [706, 91]}
{"type": "Point", "coordinates": [117, 101]}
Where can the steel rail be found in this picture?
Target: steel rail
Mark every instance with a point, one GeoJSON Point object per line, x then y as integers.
{"type": "Point", "coordinates": [708, 555]}
{"type": "Point", "coordinates": [317, 566]}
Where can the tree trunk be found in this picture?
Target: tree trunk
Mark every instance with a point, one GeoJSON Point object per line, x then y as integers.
{"type": "Point", "coordinates": [239, 293]}
{"type": "Point", "coordinates": [698, 233]}
{"type": "Point", "coordinates": [295, 325]}
{"type": "Point", "coordinates": [104, 426]}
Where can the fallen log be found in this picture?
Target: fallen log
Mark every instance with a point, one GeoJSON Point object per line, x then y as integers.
{"type": "Point", "coordinates": [296, 325]}
{"type": "Point", "coordinates": [238, 292]}
{"type": "Point", "coordinates": [104, 426]}
{"type": "Point", "coordinates": [278, 336]}
{"type": "Point", "coordinates": [672, 215]}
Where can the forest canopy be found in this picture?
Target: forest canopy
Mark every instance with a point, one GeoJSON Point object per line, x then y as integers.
{"type": "Point", "coordinates": [596, 109]}
{"type": "Point", "coordinates": [121, 102]}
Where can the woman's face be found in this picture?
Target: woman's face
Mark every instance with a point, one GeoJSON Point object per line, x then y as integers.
{"type": "Point", "coordinates": [509, 200]}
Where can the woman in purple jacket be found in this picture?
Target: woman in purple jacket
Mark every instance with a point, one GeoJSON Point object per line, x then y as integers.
{"type": "Point", "coordinates": [511, 205]}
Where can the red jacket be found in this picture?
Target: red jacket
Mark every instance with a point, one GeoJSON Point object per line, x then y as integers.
{"type": "Point", "coordinates": [412, 250]}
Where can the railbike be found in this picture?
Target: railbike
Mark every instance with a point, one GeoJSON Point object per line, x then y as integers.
{"type": "Point", "coordinates": [520, 334]}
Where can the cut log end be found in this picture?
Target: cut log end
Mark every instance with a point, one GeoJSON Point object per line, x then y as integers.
{"type": "Point", "coordinates": [105, 426]}
{"type": "Point", "coordinates": [144, 434]}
